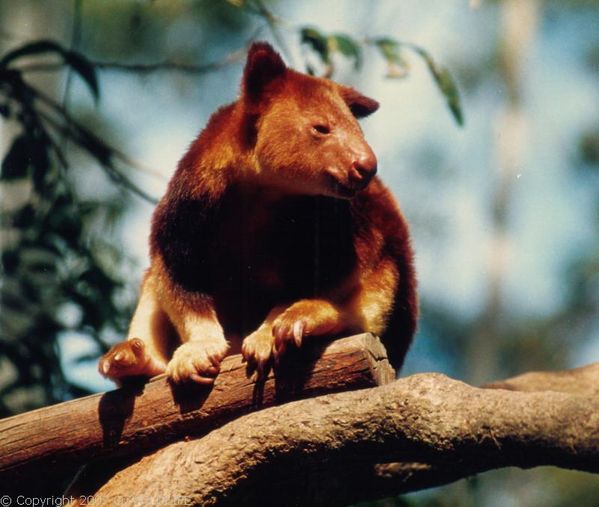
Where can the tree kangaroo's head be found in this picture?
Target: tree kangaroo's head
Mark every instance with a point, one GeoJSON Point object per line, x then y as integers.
{"type": "Point", "coordinates": [305, 134]}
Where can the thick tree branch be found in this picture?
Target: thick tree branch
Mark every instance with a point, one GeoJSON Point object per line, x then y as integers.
{"type": "Point", "coordinates": [583, 381]}
{"type": "Point", "coordinates": [140, 418]}
{"type": "Point", "coordinates": [301, 451]}
{"type": "Point", "coordinates": [397, 478]}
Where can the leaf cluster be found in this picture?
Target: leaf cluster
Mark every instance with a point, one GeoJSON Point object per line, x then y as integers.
{"type": "Point", "coordinates": [57, 277]}
{"type": "Point", "coordinates": [394, 53]}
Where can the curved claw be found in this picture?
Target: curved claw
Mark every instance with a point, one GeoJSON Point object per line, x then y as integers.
{"type": "Point", "coordinates": [298, 332]}
{"type": "Point", "coordinates": [288, 333]}
{"type": "Point", "coordinates": [201, 380]}
{"type": "Point", "coordinates": [257, 350]}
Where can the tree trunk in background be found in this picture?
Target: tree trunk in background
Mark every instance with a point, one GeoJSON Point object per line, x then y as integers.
{"type": "Point", "coordinates": [519, 20]}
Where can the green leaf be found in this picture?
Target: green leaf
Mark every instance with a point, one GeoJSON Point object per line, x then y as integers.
{"type": "Point", "coordinates": [32, 48]}
{"type": "Point", "coordinates": [326, 45]}
{"type": "Point", "coordinates": [38, 259]}
{"type": "Point", "coordinates": [66, 222]}
{"type": "Point", "coordinates": [85, 69]}
{"type": "Point", "coordinates": [28, 157]}
{"type": "Point", "coordinates": [317, 41]}
{"type": "Point", "coordinates": [446, 85]}
{"type": "Point", "coordinates": [11, 294]}
{"type": "Point", "coordinates": [79, 63]}
{"type": "Point", "coordinates": [5, 110]}
{"type": "Point", "coordinates": [40, 161]}
{"type": "Point", "coordinates": [348, 47]}
{"type": "Point", "coordinates": [24, 217]}
{"type": "Point", "coordinates": [17, 161]}
{"type": "Point", "coordinates": [9, 264]}
{"type": "Point", "coordinates": [39, 267]}
{"type": "Point", "coordinates": [95, 147]}
{"type": "Point", "coordinates": [15, 323]}
{"type": "Point", "coordinates": [17, 312]}
{"type": "Point", "coordinates": [390, 50]}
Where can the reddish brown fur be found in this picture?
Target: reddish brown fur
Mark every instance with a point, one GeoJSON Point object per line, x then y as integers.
{"type": "Point", "coordinates": [274, 228]}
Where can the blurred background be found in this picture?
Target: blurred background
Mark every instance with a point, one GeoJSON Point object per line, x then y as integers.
{"type": "Point", "coordinates": [498, 177]}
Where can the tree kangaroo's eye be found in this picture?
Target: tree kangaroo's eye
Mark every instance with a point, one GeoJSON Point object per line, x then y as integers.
{"type": "Point", "coordinates": [319, 128]}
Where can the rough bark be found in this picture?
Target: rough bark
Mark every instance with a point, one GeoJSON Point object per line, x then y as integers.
{"type": "Point", "coordinates": [583, 381]}
{"type": "Point", "coordinates": [321, 451]}
{"type": "Point", "coordinates": [140, 418]}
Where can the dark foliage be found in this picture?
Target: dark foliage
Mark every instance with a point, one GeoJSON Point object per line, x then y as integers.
{"type": "Point", "coordinates": [57, 277]}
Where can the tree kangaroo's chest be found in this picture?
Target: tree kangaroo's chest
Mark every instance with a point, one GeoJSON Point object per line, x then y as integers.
{"type": "Point", "coordinates": [294, 247]}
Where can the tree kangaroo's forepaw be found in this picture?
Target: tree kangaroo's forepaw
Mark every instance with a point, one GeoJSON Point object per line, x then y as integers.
{"type": "Point", "coordinates": [302, 319]}
{"type": "Point", "coordinates": [198, 361]}
{"type": "Point", "coordinates": [129, 359]}
{"type": "Point", "coordinates": [257, 350]}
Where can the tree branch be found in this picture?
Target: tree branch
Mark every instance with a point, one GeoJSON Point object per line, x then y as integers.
{"type": "Point", "coordinates": [583, 381]}
{"type": "Point", "coordinates": [141, 418]}
{"type": "Point", "coordinates": [168, 66]}
{"type": "Point", "coordinates": [230, 58]}
{"type": "Point", "coordinates": [321, 451]}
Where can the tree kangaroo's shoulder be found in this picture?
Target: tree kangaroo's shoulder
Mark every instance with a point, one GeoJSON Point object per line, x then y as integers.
{"type": "Point", "coordinates": [378, 220]}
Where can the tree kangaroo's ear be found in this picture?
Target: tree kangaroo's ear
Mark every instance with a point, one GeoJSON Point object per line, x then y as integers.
{"type": "Point", "coordinates": [263, 67]}
{"type": "Point", "coordinates": [360, 105]}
